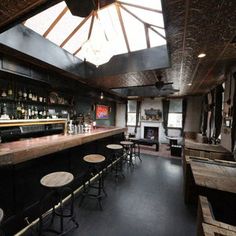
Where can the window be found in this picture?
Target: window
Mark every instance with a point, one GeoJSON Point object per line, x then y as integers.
{"type": "Point", "coordinates": [131, 115]}
{"type": "Point", "coordinates": [175, 120]}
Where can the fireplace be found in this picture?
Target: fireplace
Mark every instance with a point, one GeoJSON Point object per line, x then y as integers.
{"type": "Point", "coordinates": [151, 132]}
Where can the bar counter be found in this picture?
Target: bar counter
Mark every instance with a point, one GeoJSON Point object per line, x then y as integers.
{"type": "Point", "coordinates": [23, 163]}
{"type": "Point", "coordinates": [20, 151]}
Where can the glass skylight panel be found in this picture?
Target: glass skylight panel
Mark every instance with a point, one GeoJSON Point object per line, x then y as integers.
{"type": "Point", "coordinates": [155, 39]}
{"type": "Point", "coordinates": [107, 36]}
{"type": "Point", "coordinates": [135, 32]}
{"type": "Point", "coordinates": [40, 22]}
{"type": "Point", "coordinates": [63, 28]}
{"type": "Point", "coordinates": [78, 38]}
{"type": "Point", "coordinates": [149, 17]}
{"type": "Point", "coordinates": [110, 21]}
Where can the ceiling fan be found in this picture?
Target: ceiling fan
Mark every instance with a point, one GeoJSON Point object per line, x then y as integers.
{"type": "Point", "coordinates": [159, 88]}
{"type": "Point", "coordinates": [160, 84]}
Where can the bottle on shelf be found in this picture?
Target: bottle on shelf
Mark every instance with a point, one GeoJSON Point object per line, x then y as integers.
{"type": "Point", "coordinates": [30, 95]}
{"type": "Point", "coordinates": [29, 113]}
{"type": "Point", "coordinates": [20, 94]}
{"type": "Point", "coordinates": [36, 112]}
{"type": "Point", "coordinates": [25, 94]}
{"type": "Point", "coordinates": [32, 112]}
{"type": "Point", "coordinates": [3, 94]}
{"type": "Point", "coordinates": [22, 111]}
{"type": "Point", "coordinates": [18, 110]}
{"type": "Point", "coordinates": [10, 92]}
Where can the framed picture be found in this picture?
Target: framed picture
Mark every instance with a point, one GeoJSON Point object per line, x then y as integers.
{"type": "Point", "coordinates": [102, 112]}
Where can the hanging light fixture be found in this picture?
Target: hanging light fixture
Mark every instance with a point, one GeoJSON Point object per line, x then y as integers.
{"type": "Point", "coordinates": [98, 50]}
{"type": "Point", "coordinates": [101, 96]}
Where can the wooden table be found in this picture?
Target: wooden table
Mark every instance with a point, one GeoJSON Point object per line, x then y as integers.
{"type": "Point", "coordinates": [214, 176]}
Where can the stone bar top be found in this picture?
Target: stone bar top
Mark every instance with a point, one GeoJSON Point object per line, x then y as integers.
{"type": "Point", "coordinates": [23, 150]}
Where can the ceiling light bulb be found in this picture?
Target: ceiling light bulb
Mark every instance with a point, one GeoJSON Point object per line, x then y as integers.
{"type": "Point", "coordinates": [101, 95]}
{"type": "Point", "coordinates": [201, 55]}
{"type": "Point", "coordinates": [189, 84]}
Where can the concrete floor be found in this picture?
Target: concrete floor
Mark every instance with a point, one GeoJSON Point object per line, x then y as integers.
{"type": "Point", "coordinates": [148, 202]}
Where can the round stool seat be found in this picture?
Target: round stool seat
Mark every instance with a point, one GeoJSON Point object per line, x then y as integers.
{"type": "Point", "coordinates": [57, 179]}
{"type": "Point", "coordinates": [126, 143]}
{"type": "Point", "coordinates": [114, 146]}
{"type": "Point", "coordinates": [1, 215]}
{"type": "Point", "coordinates": [94, 158]}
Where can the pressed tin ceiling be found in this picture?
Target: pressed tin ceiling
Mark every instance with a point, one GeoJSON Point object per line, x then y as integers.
{"type": "Point", "coordinates": [192, 27]}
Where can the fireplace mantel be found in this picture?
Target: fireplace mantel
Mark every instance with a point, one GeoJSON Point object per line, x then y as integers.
{"type": "Point", "coordinates": [153, 123]}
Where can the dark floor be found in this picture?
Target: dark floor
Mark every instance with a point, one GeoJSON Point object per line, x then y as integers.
{"type": "Point", "coordinates": [149, 201]}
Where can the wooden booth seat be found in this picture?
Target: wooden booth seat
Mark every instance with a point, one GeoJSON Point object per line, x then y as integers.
{"type": "Point", "coordinates": [206, 216]}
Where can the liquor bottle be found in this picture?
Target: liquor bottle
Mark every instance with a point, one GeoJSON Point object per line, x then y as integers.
{"type": "Point", "coordinates": [29, 112]}
{"type": "Point", "coordinates": [26, 116]}
{"type": "Point", "coordinates": [9, 92]}
{"type": "Point", "coordinates": [44, 113]}
{"type": "Point", "coordinates": [18, 110]}
{"type": "Point", "coordinates": [20, 94]}
{"type": "Point", "coordinates": [25, 94]}
{"type": "Point", "coordinates": [30, 95]}
{"type": "Point", "coordinates": [32, 112]}
{"type": "Point", "coordinates": [4, 109]}
{"type": "Point", "coordinates": [22, 111]}
{"type": "Point", "coordinates": [36, 113]}
{"type": "Point", "coordinates": [4, 94]}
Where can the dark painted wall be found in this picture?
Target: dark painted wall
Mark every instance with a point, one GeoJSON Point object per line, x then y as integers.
{"type": "Point", "coordinates": [23, 75]}
{"type": "Point", "coordinates": [86, 105]}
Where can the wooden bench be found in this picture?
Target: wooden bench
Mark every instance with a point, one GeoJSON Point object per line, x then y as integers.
{"type": "Point", "coordinates": [148, 142]}
{"type": "Point", "coordinates": [206, 215]}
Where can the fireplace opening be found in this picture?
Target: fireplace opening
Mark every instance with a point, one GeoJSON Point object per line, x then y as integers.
{"type": "Point", "coordinates": [151, 132]}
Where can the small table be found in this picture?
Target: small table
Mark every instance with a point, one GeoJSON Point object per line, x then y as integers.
{"type": "Point", "coordinates": [214, 176]}
{"type": "Point", "coordinates": [211, 179]}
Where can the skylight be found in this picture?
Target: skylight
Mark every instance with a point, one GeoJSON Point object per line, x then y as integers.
{"type": "Point", "coordinates": [124, 26]}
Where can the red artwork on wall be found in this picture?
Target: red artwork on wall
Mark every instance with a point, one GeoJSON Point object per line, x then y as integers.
{"type": "Point", "coordinates": [102, 112]}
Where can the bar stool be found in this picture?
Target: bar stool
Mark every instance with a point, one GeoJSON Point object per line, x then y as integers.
{"type": "Point", "coordinates": [118, 157]}
{"type": "Point", "coordinates": [136, 148]}
{"type": "Point", "coordinates": [128, 151]}
{"type": "Point", "coordinates": [94, 161]}
{"type": "Point", "coordinates": [58, 184]}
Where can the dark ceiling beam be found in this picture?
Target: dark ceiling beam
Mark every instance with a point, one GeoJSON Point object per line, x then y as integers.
{"type": "Point", "coordinates": [139, 19]}
{"type": "Point", "coordinates": [26, 13]}
{"type": "Point", "coordinates": [75, 30]}
{"type": "Point", "coordinates": [54, 23]}
{"type": "Point", "coordinates": [122, 27]}
{"type": "Point", "coordinates": [162, 36]}
{"type": "Point", "coordinates": [141, 7]}
{"type": "Point", "coordinates": [89, 33]}
{"type": "Point", "coordinates": [147, 36]}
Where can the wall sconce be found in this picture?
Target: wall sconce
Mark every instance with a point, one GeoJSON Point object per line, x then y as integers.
{"type": "Point", "coordinates": [101, 96]}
